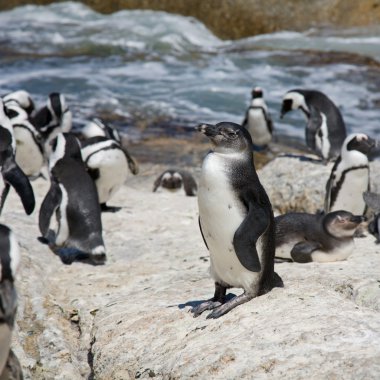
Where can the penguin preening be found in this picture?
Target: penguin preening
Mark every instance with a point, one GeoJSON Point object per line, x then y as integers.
{"type": "Point", "coordinates": [73, 199]}
{"type": "Point", "coordinates": [349, 177]}
{"type": "Point", "coordinates": [236, 220]}
{"type": "Point", "coordinates": [22, 98]}
{"type": "Point", "coordinates": [303, 237]}
{"type": "Point", "coordinates": [258, 120]}
{"type": "Point", "coordinates": [108, 162]}
{"type": "Point", "coordinates": [173, 180]}
{"type": "Point", "coordinates": [11, 174]}
{"type": "Point", "coordinates": [9, 263]}
{"type": "Point", "coordinates": [325, 129]}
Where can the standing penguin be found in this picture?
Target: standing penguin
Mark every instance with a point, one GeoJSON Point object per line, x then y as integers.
{"type": "Point", "coordinates": [325, 129]}
{"type": "Point", "coordinates": [258, 121]}
{"type": "Point", "coordinates": [108, 164]}
{"type": "Point", "coordinates": [29, 145]}
{"type": "Point", "coordinates": [9, 262]}
{"type": "Point", "coordinates": [304, 238]}
{"type": "Point", "coordinates": [11, 174]}
{"type": "Point", "coordinates": [73, 198]}
{"type": "Point", "coordinates": [236, 220]}
{"type": "Point", "coordinates": [52, 119]}
{"type": "Point", "coordinates": [349, 177]}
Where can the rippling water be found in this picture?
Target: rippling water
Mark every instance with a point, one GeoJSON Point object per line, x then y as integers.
{"type": "Point", "coordinates": [145, 68]}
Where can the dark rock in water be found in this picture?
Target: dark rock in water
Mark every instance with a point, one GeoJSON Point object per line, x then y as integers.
{"type": "Point", "coordinates": [243, 18]}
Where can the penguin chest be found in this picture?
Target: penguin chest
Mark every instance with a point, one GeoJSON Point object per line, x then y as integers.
{"type": "Point", "coordinates": [349, 195]}
{"type": "Point", "coordinates": [221, 213]}
{"type": "Point", "coordinates": [113, 171]}
{"type": "Point", "coordinates": [258, 128]}
{"type": "Point", "coordinates": [322, 140]}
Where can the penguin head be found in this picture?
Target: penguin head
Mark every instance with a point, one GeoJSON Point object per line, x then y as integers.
{"type": "Point", "coordinates": [57, 106]}
{"type": "Point", "coordinates": [227, 137]}
{"type": "Point", "coordinates": [358, 142]}
{"type": "Point", "coordinates": [293, 100]}
{"type": "Point", "coordinates": [342, 224]}
{"type": "Point", "coordinates": [257, 92]}
{"type": "Point", "coordinates": [22, 98]}
{"type": "Point", "coordinates": [97, 127]}
{"type": "Point", "coordinates": [65, 145]}
{"type": "Point", "coordinates": [171, 180]}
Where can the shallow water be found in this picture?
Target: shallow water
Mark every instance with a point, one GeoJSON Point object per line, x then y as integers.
{"type": "Point", "coordinates": [151, 72]}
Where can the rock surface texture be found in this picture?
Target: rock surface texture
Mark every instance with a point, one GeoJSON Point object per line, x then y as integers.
{"type": "Point", "coordinates": [244, 18]}
{"type": "Point", "coordinates": [129, 318]}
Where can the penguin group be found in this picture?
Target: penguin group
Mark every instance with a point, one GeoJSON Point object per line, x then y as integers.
{"type": "Point", "coordinates": [236, 220]}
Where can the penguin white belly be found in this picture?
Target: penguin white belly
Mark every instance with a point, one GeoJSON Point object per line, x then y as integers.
{"type": "Point", "coordinates": [63, 224]}
{"type": "Point", "coordinates": [257, 127]}
{"type": "Point", "coordinates": [350, 195]}
{"type": "Point", "coordinates": [338, 254]}
{"type": "Point", "coordinates": [221, 214]}
{"type": "Point", "coordinates": [28, 154]}
{"type": "Point", "coordinates": [113, 171]}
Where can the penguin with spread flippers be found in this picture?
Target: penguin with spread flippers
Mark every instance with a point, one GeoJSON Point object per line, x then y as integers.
{"type": "Point", "coordinates": [73, 198]}
{"type": "Point", "coordinates": [9, 262]}
{"type": "Point", "coordinates": [303, 237]}
{"type": "Point", "coordinates": [349, 177]}
{"type": "Point", "coordinates": [108, 162]}
{"type": "Point", "coordinates": [258, 120]}
{"type": "Point", "coordinates": [11, 173]}
{"type": "Point", "coordinates": [236, 220]}
{"type": "Point", "coordinates": [325, 129]}
{"type": "Point", "coordinates": [174, 180]}
{"type": "Point", "coordinates": [372, 200]}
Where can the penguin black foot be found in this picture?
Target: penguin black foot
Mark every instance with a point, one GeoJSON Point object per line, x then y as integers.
{"type": "Point", "coordinates": [229, 305]}
{"type": "Point", "coordinates": [69, 255]}
{"type": "Point", "coordinates": [105, 208]}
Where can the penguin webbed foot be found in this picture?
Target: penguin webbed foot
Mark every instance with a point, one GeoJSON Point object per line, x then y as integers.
{"type": "Point", "coordinates": [69, 255]}
{"type": "Point", "coordinates": [105, 208]}
{"type": "Point", "coordinates": [229, 305]}
{"type": "Point", "coordinates": [207, 305]}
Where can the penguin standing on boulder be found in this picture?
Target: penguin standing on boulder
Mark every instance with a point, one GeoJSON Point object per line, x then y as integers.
{"type": "Point", "coordinates": [10, 367]}
{"type": "Point", "coordinates": [236, 220]}
{"type": "Point", "coordinates": [73, 198]}
{"type": "Point", "coordinates": [258, 121]}
{"type": "Point", "coordinates": [11, 174]}
{"type": "Point", "coordinates": [325, 129]}
{"type": "Point", "coordinates": [349, 177]}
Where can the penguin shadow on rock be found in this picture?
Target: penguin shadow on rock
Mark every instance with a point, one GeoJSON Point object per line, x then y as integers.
{"type": "Point", "coordinates": [173, 180]}
{"type": "Point", "coordinates": [258, 121]}
{"type": "Point", "coordinates": [372, 200]}
{"type": "Point", "coordinates": [303, 237]}
{"type": "Point", "coordinates": [11, 173]}
{"type": "Point", "coordinates": [349, 177]}
{"type": "Point", "coordinates": [108, 162]}
{"type": "Point", "coordinates": [234, 214]}
{"type": "Point", "coordinates": [325, 128]}
{"type": "Point", "coordinates": [10, 367]}
{"type": "Point", "coordinates": [73, 199]}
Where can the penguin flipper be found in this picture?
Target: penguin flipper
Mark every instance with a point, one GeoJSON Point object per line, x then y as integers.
{"type": "Point", "coordinates": [132, 164]}
{"type": "Point", "coordinates": [50, 203]}
{"type": "Point", "coordinates": [246, 236]}
{"type": "Point", "coordinates": [189, 184]}
{"type": "Point", "coordinates": [14, 176]}
{"type": "Point", "coordinates": [4, 195]}
{"type": "Point", "coordinates": [203, 236]}
{"type": "Point", "coordinates": [157, 182]}
{"type": "Point", "coordinates": [301, 252]}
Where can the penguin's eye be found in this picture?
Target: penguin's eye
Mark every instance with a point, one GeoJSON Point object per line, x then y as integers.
{"type": "Point", "coordinates": [231, 135]}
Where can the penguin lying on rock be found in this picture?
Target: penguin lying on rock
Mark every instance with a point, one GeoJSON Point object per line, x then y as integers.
{"type": "Point", "coordinates": [73, 199]}
{"type": "Point", "coordinates": [304, 238]}
{"type": "Point", "coordinates": [174, 180]}
{"type": "Point", "coordinates": [10, 367]}
{"type": "Point", "coordinates": [236, 220]}
{"type": "Point", "coordinates": [325, 129]}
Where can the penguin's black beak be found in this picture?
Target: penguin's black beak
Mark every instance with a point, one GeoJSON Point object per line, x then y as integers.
{"type": "Point", "coordinates": [208, 130]}
{"type": "Point", "coordinates": [357, 219]}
